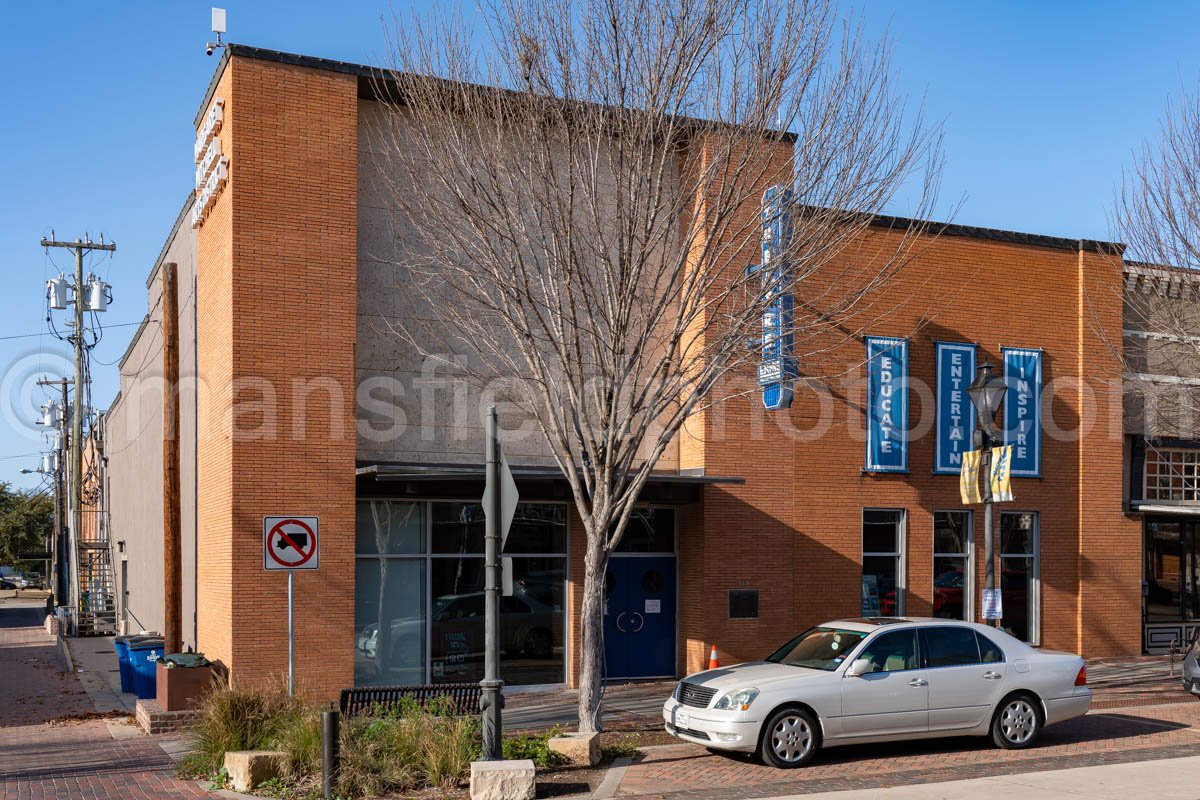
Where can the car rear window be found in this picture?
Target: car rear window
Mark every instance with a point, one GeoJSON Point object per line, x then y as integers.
{"type": "Point", "coordinates": [947, 646]}
{"type": "Point", "coordinates": [989, 651]}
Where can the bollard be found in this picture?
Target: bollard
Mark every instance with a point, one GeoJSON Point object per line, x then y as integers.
{"type": "Point", "coordinates": [329, 756]}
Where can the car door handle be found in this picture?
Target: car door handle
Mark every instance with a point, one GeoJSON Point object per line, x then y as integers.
{"type": "Point", "coordinates": [992, 676]}
{"type": "Point", "coordinates": [918, 682]}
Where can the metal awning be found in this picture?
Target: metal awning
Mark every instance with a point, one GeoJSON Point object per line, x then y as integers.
{"type": "Point", "coordinates": [534, 483]}
{"type": "Point", "coordinates": [1165, 508]}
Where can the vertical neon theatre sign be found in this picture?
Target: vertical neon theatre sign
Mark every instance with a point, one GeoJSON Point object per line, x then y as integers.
{"type": "Point", "coordinates": [777, 367]}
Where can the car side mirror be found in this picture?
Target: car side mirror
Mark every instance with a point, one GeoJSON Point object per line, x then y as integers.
{"type": "Point", "coordinates": [858, 668]}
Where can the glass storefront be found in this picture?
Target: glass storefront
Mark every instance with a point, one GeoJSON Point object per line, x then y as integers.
{"type": "Point", "coordinates": [419, 594]}
{"type": "Point", "coordinates": [1172, 571]}
{"type": "Point", "coordinates": [952, 565]}
{"type": "Point", "coordinates": [1019, 577]}
{"type": "Point", "coordinates": [882, 564]}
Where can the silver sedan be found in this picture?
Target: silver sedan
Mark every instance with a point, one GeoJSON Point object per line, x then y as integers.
{"type": "Point", "coordinates": [876, 680]}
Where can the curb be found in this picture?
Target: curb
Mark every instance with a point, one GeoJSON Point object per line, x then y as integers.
{"type": "Point", "coordinates": [227, 792]}
{"type": "Point", "coordinates": [63, 651]}
{"type": "Point", "coordinates": [612, 779]}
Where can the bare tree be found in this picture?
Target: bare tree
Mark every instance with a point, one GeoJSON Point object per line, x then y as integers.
{"type": "Point", "coordinates": [579, 200]}
{"type": "Point", "coordinates": [1157, 214]}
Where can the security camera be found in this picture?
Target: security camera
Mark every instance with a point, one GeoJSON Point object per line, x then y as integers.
{"type": "Point", "coordinates": [208, 51]}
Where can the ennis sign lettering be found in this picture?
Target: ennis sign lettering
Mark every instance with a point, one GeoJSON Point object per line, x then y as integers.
{"type": "Point", "coordinates": [777, 369]}
{"type": "Point", "coordinates": [212, 168]}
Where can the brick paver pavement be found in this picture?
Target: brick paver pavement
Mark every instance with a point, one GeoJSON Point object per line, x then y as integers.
{"type": "Point", "coordinates": [688, 771]}
{"type": "Point", "coordinates": [45, 754]}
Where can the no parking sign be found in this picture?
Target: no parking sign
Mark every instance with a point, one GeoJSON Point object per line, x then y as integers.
{"type": "Point", "coordinates": [291, 543]}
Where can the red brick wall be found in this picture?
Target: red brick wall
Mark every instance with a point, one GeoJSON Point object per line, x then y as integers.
{"type": "Point", "coordinates": [277, 306]}
{"type": "Point", "coordinates": [794, 530]}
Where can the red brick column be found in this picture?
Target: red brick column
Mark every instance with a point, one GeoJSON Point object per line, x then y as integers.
{"type": "Point", "coordinates": [277, 300]}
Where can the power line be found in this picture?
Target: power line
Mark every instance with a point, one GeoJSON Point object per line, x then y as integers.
{"type": "Point", "coordinates": [39, 333]}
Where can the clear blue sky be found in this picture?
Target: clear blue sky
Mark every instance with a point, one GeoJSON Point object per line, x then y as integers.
{"type": "Point", "coordinates": [1042, 104]}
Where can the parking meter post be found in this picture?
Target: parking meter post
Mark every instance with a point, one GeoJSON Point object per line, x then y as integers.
{"type": "Point", "coordinates": [491, 700]}
{"type": "Point", "coordinates": [330, 755]}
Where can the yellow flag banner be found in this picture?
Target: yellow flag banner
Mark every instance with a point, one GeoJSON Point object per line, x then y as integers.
{"type": "Point", "coordinates": [1002, 474]}
{"type": "Point", "coordinates": [968, 481]}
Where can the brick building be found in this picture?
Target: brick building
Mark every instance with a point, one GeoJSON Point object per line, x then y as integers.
{"type": "Point", "coordinates": [758, 523]}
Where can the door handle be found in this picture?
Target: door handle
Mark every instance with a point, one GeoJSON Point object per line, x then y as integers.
{"type": "Point", "coordinates": [641, 621]}
{"type": "Point", "coordinates": [992, 676]}
{"type": "Point", "coordinates": [918, 682]}
{"type": "Point", "coordinates": [618, 622]}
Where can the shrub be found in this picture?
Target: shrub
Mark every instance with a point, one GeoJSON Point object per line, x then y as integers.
{"type": "Point", "coordinates": [238, 719]}
{"type": "Point", "coordinates": [439, 749]}
{"type": "Point", "coordinates": [372, 760]}
{"type": "Point", "coordinates": [300, 740]}
{"type": "Point", "coordinates": [622, 747]}
{"type": "Point", "coordinates": [536, 747]}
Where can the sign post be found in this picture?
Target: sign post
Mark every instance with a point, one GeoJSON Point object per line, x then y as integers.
{"type": "Point", "coordinates": [499, 504]}
{"type": "Point", "coordinates": [289, 544]}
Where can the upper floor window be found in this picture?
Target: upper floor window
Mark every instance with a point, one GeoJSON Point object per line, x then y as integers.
{"type": "Point", "coordinates": [1172, 474]}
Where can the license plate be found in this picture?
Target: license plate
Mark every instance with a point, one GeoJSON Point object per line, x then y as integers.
{"type": "Point", "coordinates": [682, 719]}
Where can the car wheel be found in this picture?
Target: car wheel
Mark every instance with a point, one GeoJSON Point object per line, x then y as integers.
{"type": "Point", "coordinates": [1017, 723]}
{"type": "Point", "coordinates": [790, 738]}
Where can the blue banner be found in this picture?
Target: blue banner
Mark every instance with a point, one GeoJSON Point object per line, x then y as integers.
{"type": "Point", "coordinates": [1023, 410]}
{"type": "Point", "coordinates": [955, 366]}
{"type": "Point", "coordinates": [777, 369]}
{"type": "Point", "coordinates": [887, 404]}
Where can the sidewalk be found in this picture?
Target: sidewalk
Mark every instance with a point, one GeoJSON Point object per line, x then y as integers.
{"type": "Point", "coordinates": [51, 743]}
{"type": "Point", "coordinates": [1169, 779]}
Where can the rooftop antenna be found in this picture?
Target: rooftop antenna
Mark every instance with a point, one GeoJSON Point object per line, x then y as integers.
{"type": "Point", "coordinates": [218, 27]}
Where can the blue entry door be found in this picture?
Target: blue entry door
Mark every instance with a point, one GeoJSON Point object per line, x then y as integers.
{"type": "Point", "coordinates": [639, 617]}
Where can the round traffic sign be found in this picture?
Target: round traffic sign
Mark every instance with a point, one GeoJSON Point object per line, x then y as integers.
{"type": "Point", "coordinates": [291, 543]}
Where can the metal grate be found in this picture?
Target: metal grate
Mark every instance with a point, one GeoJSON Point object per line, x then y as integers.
{"type": "Point", "coordinates": [695, 696]}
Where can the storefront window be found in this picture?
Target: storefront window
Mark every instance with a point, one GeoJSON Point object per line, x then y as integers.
{"type": "Point", "coordinates": [952, 564]}
{"type": "Point", "coordinates": [882, 571]}
{"type": "Point", "coordinates": [531, 621]}
{"type": "Point", "coordinates": [419, 600]}
{"type": "Point", "coordinates": [1172, 571]}
{"type": "Point", "coordinates": [650, 530]}
{"type": "Point", "coordinates": [389, 608]}
{"type": "Point", "coordinates": [1019, 579]}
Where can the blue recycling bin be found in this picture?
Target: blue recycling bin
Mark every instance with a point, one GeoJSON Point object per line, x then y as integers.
{"type": "Point", "coordinates": [124, 665]}
{"type": "Point", "coordinates": [143, 658]}
{"type": "Point", "coordinates": [121, 645]}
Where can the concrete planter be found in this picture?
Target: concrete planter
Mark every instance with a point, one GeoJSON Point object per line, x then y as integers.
{"type": "Point", "coordinates": [182, 688]}
{"type": "Point", "coordinates": [581, 749]}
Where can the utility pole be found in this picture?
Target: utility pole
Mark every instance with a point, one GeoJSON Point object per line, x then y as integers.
{"type": "Point", "coordinates": [57, 577]}
{"type": "Point", "coordinates": [172, 543]}
{"type": "Point", "coordinates": [76, 440]}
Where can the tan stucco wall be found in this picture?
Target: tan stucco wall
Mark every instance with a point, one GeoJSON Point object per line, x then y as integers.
{"type": "Point", "coordinates": [442, 417]}
{"type": "Point", "coordinates": [134, 447]}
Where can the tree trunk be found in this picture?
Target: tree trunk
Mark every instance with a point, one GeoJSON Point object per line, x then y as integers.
{"type": "Point", "coordinates": [591, 623]}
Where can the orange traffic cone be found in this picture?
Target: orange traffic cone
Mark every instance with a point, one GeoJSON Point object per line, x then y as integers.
{"type": "Point", "coordinates": [713, 662]}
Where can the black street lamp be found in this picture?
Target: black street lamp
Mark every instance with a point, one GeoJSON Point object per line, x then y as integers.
{"type": "Point", "coordinates": [987, 395]}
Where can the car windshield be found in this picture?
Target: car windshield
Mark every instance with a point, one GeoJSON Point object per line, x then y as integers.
{"type": "Point", "coordinates": [818, 648]}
